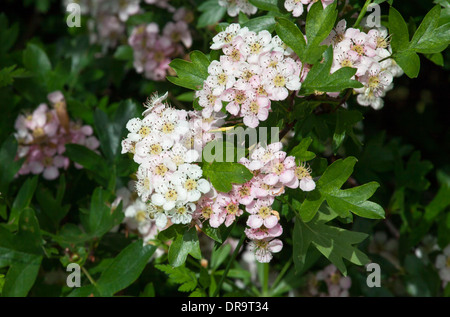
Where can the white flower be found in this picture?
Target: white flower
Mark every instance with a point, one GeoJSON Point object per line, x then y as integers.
{"type": "Point", "coordinates": [167, 195]}
{"type": "Point", "coordinates": [220, 76]}
{"type": "Point", "coordinates": [188, 178]}
{"type": "Point", "coordinates": [226, 37]}
{"type": "Point", "coordinates": [263, 249]}
{"type": "Point", "coordinates": [182, 213]}
{"type": "Point", "coordinates": [443, 265]}
{"type": "Point", "coordinates": [255, 44]}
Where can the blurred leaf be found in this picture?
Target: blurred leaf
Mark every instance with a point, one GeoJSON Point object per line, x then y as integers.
{"type": "Point", "coordinates": [212, 13]}
{"type": "Point", "coordinates": [36, 61]}
{"type": "Point", "coordinates": [261, 23]}
{"type": "Point", "coordinates": [111, 132]}
{"type": "Point", "coordinates": [23, 199]}
{"type": "Point", "coordinates": [9, 167]}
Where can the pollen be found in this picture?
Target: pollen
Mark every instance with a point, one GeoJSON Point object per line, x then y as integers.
{"type": "Point", "coordinates": [161, 170]}
{"type": "Point", "coordinates": [168, 128]}
{"type": "Point", "coordinates": [222, 79]}
{"type": "Point", "coordinates": [302, 171]}
{"type": "Point", "coordinates": [232, 209]}
{"type": "Point", "coordinates": [255, 48]}
{"type": "Point", "coordinates": [144, 131]}
{"type": "Point", "coordinates": [265, 212]}
{"type": "Point", "coordinates": [278, 168]}
{"type": "Point", "coordinates": [141, 216]}
{"type": "Point", "coordinates": [190, 184]}
{"type": "Point", "coordinates": [358, 49]}
{"type": "Point", "coordinates": [254, 107]}
{"type": "Point", "coordinates": [279, 81]}
{"type": "Point", "coordinates": [155, 149]}
{"type": "Point", "coordinates": [207, 212]}
{"type": "Point", "coordinates": [346, 63]}
{"type": "Point", "coordinates": [171, 195]}
{"type": "Point", "coordinates": [374, 82]}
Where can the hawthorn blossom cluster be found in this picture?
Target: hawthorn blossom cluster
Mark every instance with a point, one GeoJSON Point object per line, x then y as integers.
{"type": "Point", "coordinates": [254, 70]}
{"type": "Point", "coordinates": [166, 143]}
{"type": "Point", "coordinates": [43, 134]}
{"type": "Point", "coordinates": [154, 50]}
{"type": "Point", "coordinates": [236, 6]}
{"type": "Point", "coordinates": [296, 6]}
{"type": "Point", "coordinates": [273, 171]}
{"type": "Point", "coordinates": [337, 285]}
{"type": "Point", "coordinates": [369, 53]}
{"type": "Point", "coordinates": [107, 19]}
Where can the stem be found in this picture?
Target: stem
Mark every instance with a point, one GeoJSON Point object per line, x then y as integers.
{"type": "Point", "coordinates": [89, 276]}
{"type": "Point", "coordinates": [362, 13]}
{"type": "Point", "coordinates": [265, 290]}
{"type": "Point", "coordinates": [225, 273]}
{"type": "Point", "coordinates": [281, 275]}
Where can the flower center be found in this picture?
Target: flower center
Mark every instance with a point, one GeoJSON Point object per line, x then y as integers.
{"type": "Point", "coordinates": [141, 216]}
{"type": "Point", "coordinates": [346, 63]}
{"type": "Point", "coordinates": [358, 49]}
{"type": "Point", "coordinates": [247, 75]}
{"type": "Point", "coordinates": [182, 210]}
{"type": "Point", "coordinates": [48, 161]}
{"type": "Point", "coordinates": [240, 97]}
{"type": "Point", "coordinates": [381, 42]}
{"type": "Point", "coordinates": [168, 128]}
{"type": "Point", "coordinates": [222, 79]}
{"type": "Point", "coordinates": [171, 195]}
{"type": "Point", "coordinates": [159, 57]}
{"type": "Point", "coordinates": [279, 81]}
{"type": "Point", "coordinates": [244, 191]}
{"type": "Point", "coordinates": [254, 107]}
{"type": "Point", "coordinates": [232, 209]}
{"type": "Point", "coordinates": [302, 172]}
{"type": "Point", "coordinates": [211, 99]}
{"type": "Point", "coordinates": [235, 55]}
{"type": "Point", "coordinates": [161, 170]}
{"type": "Point", "coordinates": [155, 149]}
{"type": "Point", "coordinates": [374, 82]}
{"type": "Point", "coordinates": [335, 278]}
{"type": "Point", "coordinates": [38, 133]}
{"type": "Point", "coordinates": [255, 48]}
{"type": "Point", "coordinates": [265, 212]}
{"type": "Point", "coordinates": [190, 184]}
{"type": "Point", "coordinates": [207, 212]}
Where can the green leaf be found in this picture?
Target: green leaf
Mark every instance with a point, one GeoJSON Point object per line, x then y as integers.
{"type": "Point", "coordinates": [341, 201]}
{"type": "Point", "coordinates": [301, 152]}
{"type": "Point", "coordinates": [345, 121]}
{"type": "Point", "coordinates": [101, 217]}
{"type": "Point", "coordinates": [212, 13]}
{"type": "Point", "coordinates": [291, 35]}
{"type": "Point", "coordinates": [23, 199]}
{"type": "Point", "coordinates": [10, 166]}
{"type": "Point", "coordinates": [180, 275]}
{"type": "Point", "coordinates": [436, 58]}
{"type": "Point", "coordinates": [111, 132]}
{"type": "Point", "coordinates": [89, 160]}
{"type": "Point", "coordinates": [319, 78]}
{"type": "Point", "coordinates": [319, 23]}
{"type": "Point", "coordinates": [398, 30]}
{"type": "Point", "coordinates": [334, 243]}
{"type": "Point", "coordinates": [124, 53]}
{"type": "Point", "coordinates": [409, 62]}
{"type": "Point", "coordinates": [8, 74]}
{"type": "Point", "coordinates": [125, 268]}
{"type": "Point", "coordinates": [267, 5]}
{"type": "Point", "coordinates": [223, 174]}
{"type": "Point", "coordinates": [183, 245]}
{"type": "Point", "coordinates": [429, 39]}
{"type": "Point", "coordinates": [190, 74]}
{"type": "Point", "coordinates": [258, 24]}
{"type": "Point", "coordinates": [22, 253]}
{"type": "Point", "coordinates": [36, 61]}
